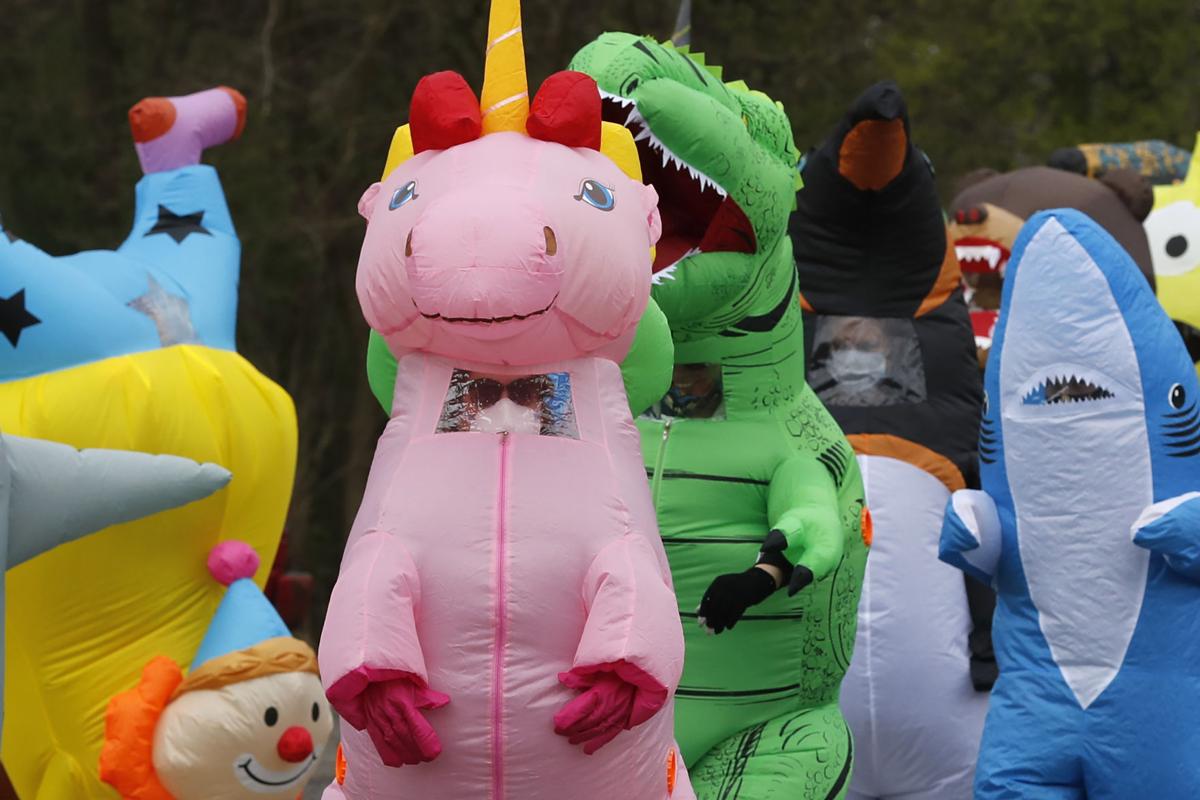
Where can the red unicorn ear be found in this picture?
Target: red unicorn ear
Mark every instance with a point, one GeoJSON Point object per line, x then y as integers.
{"type": "Point", "coordinates": [567, 110]}
{"type": "Point", "coordinates": [444, 112]}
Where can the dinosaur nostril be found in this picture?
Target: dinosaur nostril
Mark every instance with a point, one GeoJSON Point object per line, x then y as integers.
{"type": "Point", "coordinates": [408, 245]}
{"type": "Point", "coordinates": [551, 241]}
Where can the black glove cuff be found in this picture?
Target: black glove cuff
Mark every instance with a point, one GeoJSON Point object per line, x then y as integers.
{"type": "Point", "coordinates": [763, 585]}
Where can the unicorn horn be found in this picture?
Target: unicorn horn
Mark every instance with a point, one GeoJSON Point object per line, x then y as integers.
{"type": "Point", "coordinates": [505, 97]}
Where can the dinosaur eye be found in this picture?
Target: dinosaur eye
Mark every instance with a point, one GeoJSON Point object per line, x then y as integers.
{"type": "Point", "coordinates": [271, 717]}
{"type": "Point", "coordinates": [1177, 396]}
{"type": "Point", "coordinates": [596, 195]}
{"type": "Point", "coordinates": [402, 195]}
{"type": "Point", "coordinates": [630, 86]}
{"type": "Point", "coordinates": [316, 712]}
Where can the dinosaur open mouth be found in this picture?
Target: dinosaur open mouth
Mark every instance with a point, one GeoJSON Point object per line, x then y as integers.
{"type": "Point", "coordinates": [698, 216]}
{"type": "Point", "coordinates": [1065, 389]}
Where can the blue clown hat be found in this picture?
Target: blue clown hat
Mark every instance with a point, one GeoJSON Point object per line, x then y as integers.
{"type": "Point", "coordinates": [245, 617]}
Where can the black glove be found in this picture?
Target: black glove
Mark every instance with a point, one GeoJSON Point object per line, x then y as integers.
{"type": "Point", "coordinates": [728, 597]}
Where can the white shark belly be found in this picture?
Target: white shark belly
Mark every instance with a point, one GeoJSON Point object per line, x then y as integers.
{"type": "Point", "coordinates": [1077, 455]}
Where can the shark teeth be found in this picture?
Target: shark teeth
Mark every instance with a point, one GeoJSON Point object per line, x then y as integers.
{"type": "Point", "coordinates": [1065, 389]}
{"type": "Point", "coordinates": [644, 134]}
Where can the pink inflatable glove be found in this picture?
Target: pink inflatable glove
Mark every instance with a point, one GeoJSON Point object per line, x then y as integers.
{"type": "Point", "coordinates": [596, 716]}
{"type": "Point", "coordinates": [400, 732]}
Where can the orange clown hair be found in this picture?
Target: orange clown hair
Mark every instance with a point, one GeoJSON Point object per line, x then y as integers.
{"type": "Point", "coordinates": [127, 760]}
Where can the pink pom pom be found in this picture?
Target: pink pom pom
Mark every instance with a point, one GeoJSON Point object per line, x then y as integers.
{"type": "Point", "coordinates": [232, 560]}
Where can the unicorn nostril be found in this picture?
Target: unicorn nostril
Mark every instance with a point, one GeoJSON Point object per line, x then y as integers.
{"type": "Point", "coordinates": [551, 241]}
{"type": "Point", "coordinates": [408, 245]}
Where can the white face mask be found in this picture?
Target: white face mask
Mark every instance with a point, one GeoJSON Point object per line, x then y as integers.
{"type": "Point", "coordinates": [508, 417]}
{"type": "Point", "coordinates": [857, 369]}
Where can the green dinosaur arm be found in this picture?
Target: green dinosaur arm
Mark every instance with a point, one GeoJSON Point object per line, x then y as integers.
{"type": "Point", "coordinates": [381, 371]}
{"type": "Point", "coordinates": [648, 367]}
{"type": "Point", "coordinates": [802, 504]}
{"type": "Point", "coordinates": [646, 370]}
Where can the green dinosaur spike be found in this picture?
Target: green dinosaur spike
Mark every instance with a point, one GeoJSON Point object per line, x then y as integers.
{"type": "Point", "coordinates": [715, 71]}
{"type": "Point", "coordinates": [697, 57]}
{"type": "Point", "coordinates": [738, 86]}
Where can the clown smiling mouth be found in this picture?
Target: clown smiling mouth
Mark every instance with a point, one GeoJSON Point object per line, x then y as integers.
{"type": "Point", "coordinates": [698, 216]}
{"type": "Point", "coordinates": [245, 767]}
{"type": "Point", "coordinates": [488, 320]}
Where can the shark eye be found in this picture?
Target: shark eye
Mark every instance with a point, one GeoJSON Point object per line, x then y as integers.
{"type": "Point", "coordinates": [596, 195]}
{"type": "Point", "coordinates": [271, 717]}
{"type": "Point", "coordinates": [986, 405]}
{"type": "Point", "coordinates": [402, 195]}
{"type": "Point", "coordinates": [1177, 396]}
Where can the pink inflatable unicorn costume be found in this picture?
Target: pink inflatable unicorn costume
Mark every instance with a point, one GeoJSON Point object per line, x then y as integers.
{"type": "Point", "coordinates": [504, 625]}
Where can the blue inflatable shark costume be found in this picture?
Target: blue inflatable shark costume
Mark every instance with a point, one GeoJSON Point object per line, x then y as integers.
{"type": "Point", "coordinates": [1088, 526]}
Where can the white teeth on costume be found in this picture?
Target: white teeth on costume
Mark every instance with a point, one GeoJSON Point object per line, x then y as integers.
{"type": "Point", "coordinates": [981, 252]}
{"type": "Point", "coordinates": [644, 134]}
{"type": "Point", "coordinates": [668, 273]}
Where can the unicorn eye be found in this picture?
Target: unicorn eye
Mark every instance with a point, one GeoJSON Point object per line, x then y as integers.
{"type": "Point", "coordinates": [596, 195]}
{"type": "Point", "coordinates": [402, 195]}
{"type": "Point", "coordinates": [1177, 396]}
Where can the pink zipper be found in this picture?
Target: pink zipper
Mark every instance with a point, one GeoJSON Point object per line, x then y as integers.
{"type": "Point", "coordinates": [501, 638]}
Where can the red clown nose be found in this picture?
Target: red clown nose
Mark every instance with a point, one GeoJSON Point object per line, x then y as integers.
{"type": "Point", "coordinates": [295, 744]}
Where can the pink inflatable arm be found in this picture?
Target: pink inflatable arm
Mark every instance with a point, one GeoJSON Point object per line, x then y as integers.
{"type": "Point", "coordinates": [631, 654]}
{"type": "Point", "coordinates": [372, 659]}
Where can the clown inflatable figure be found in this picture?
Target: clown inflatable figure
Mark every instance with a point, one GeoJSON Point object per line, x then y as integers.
{"type": "Point", "coordinates": [1088, 525]}
{"type": "Point", "coordinates": [503, 625]}
{"type": "Point", "coordinates": [247, 723]}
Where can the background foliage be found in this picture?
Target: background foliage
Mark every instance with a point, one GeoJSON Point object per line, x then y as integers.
{"type": "Point", "coordinates": [995, 84]}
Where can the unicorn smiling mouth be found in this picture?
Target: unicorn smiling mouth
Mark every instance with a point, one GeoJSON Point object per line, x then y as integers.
{"type": "Point", "coordinates": [1065, 389]}
{"type": "Point", "coordinates": [271, 784]}
{"type": "Point", "coordinates": [488, 320]}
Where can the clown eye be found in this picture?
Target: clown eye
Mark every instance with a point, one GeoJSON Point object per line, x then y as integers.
{"type": "Point", "coordinates": [596, 195]}
{"type": "Point", "coordinates": [1177, 396]}
{"type": "Point", "coordinates": [316, 712]}
{"type": "Point", "coordinates": [271, 717]}
{"type": "Point", "coordinates": [402, 195]}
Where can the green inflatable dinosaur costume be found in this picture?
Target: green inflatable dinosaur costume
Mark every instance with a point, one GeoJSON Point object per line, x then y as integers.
{"type": "Point", "coordinates": [745, 464]}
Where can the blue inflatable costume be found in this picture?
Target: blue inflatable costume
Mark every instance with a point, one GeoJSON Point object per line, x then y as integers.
{"type": "Point", "coordinates": [1088, 525]}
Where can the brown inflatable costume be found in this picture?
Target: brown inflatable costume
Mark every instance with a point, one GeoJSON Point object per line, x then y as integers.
{"type": "Point", "coordinates": [991, 207]}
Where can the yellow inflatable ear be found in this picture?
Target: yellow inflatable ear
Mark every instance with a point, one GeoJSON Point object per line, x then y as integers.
{"type": "Point", "coordinates": [400, 151]}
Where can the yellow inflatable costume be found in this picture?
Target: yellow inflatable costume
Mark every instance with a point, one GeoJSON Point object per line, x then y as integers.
{"type": "Point", "coordinates": [133, 349]}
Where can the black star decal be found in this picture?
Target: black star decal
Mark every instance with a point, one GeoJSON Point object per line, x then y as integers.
{"type": "Point", "coordinates": [178, 226]}
{"type": "Point", "coordinates": [14, 318]}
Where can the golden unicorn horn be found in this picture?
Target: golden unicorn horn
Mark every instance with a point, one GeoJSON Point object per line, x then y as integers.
{"type": "Point", "coordinates": [505, 97]}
